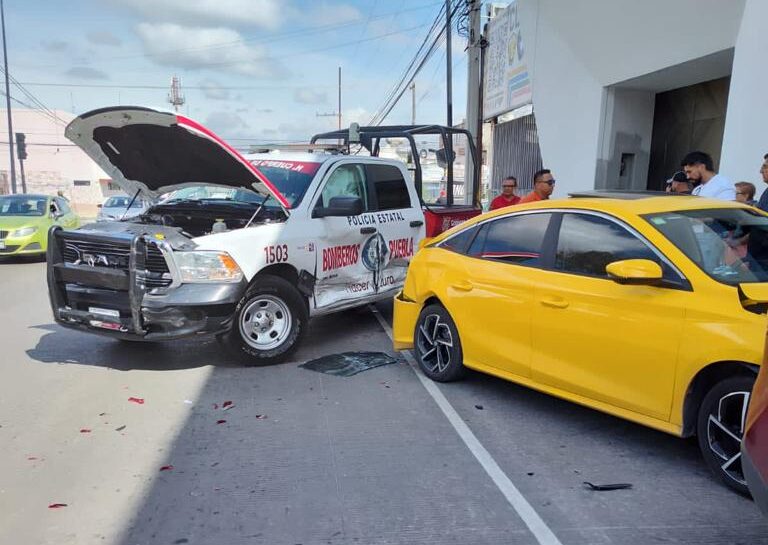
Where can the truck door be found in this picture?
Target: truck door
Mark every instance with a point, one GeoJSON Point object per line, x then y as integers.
{"type": "Point", "coordinates": [400, 224]}
{"type": "Point", "coordinates": [342, 273]}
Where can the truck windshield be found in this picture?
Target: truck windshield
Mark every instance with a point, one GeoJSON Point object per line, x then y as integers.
{"type": "Point", "coordinates": [291, 178]}
{"type": "Point", "coordinates": [729, 244]}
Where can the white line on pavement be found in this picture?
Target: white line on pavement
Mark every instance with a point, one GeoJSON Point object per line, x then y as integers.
{"type": "Point", "coordinates": [530, 517]}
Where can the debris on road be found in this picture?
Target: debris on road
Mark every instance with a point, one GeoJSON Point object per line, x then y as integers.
{"type": "Point", "coordinates": [85, 430]}
{"type": "Point", "coordinates": [227, 405]}
{"type": "Point", "coordinates": [347, 364]}
{"type": "Point", "coordinates": [604, 487]}
{"type": "Point", "coordinates": [221, 421]}
{"type": "Point", "coordinates": [57, 505]}
{"type": "Point", "coordinates": [121, 428]}
{"type": "Point", "coordinates": [479, 407]}
{"type": "Point", "coordinates": [261, 417]}
{"type": "Point", "coordinates": [188, 401]}
{"type": "Point", "coordinates": [137, 400]}
{"type": "Point", "coordinates": [166, 468]}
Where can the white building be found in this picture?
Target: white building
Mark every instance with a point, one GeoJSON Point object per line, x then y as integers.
{"type": "Point", "coordinates": [53, 163]}
{"type": "Point", "coordinates": [621, 90]}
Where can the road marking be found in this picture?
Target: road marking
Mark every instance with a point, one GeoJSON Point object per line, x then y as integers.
{"type": "Point", "coordinates": [525, 510]}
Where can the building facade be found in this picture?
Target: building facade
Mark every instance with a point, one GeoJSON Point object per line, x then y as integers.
{"type": "Point", "coordinates": [53, 163]}
{"type": "Point", "coordinates": [618, 91]}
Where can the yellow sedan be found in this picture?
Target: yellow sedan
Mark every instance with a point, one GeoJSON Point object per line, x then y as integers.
{"type": "Point", "coordinates": [651, 308]}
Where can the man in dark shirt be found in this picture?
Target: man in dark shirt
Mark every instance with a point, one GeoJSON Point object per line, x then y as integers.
{"type": "Point", "coordinates": [763, 202]}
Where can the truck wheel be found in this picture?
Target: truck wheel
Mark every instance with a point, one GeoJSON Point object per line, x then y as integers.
{"type": "Point", "coordinates": [269, 322]}
{"type": "Point", "coordinates": [720, 429]}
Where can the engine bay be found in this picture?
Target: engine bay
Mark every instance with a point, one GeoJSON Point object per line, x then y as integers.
{"type": "Point", "coordinates": [203, 217]}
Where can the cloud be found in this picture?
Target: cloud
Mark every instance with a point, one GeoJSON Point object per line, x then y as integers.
{"type": "Point", "coordinates": [55, 46]}
{"type": "Point", "coordinates": [104, 38]}
{"type": "Point", "coordinates": [266, 14]}
{"type": "Point", "coordinates": [213, 90]}
{"type": "Point", "coordinates": [197, 48]}
{"type": "Point", "coordinates": [84, 72]}
{"type": "Point", "coordinates": [326, 13]}
{"type": "Point", "coordinates": [305, 95]}
{"type": "Point", "coordinates": [226, 124]}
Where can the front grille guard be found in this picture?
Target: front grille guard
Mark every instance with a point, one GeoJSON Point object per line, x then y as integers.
{"type": "Point", "coordinates": [137, 288]}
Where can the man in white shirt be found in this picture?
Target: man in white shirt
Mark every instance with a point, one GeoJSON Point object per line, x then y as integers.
{"type": "Point", "coordinates": [698, 166]}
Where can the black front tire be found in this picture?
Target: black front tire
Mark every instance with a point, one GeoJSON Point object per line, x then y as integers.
{"type": "Point", "coordinates": [720, 429]}
{"type": "Point", "coordinates": [437, 346]}
{"type": "Point", "coordinates": [284, 313]}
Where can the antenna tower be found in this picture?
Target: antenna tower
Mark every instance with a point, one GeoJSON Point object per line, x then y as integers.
{"type": "Point", "coordinates": [175, 96]}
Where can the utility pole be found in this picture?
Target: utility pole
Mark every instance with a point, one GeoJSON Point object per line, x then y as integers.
{"type": "Point", "coordinates": [448, 63]}
{"type": "Point", "coordinates": [339, 97]}
{"type": "Point", "coordinates": [175, 96]}
{"type": "Point", "coordinates": [413, 102]}
{"type": "Point", "coordinates": [475, 83]}
{"type": "Point", "coordinates": [8, 102]}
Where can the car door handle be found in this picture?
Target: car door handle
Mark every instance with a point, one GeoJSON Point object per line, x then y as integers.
{"type": "Point", "coordinates": [554, 302]}
{"type": "Point", "coordinates": [417, 223]}
{"type": "Point", "coordinates": [367, 230]}
{"type": "Point", "coordinates": [462, 286]}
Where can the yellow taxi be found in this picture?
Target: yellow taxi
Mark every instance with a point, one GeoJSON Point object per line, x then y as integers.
{"type": "Point", "coordinates": [646, 306]}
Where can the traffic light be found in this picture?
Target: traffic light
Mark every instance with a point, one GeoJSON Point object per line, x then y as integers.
{"type": "Point", "coordinates": [21, 146]}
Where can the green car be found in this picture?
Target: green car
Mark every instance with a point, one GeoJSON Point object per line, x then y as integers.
{"type": "Point", "coordinates": [25, 220]}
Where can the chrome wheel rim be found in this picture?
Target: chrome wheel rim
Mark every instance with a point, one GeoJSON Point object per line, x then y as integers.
{"type": "Point", "coordinates": [435, 343]}
{"type": "Point", "coordinates": [265, 323]}
{"type": "Point", "coordinates": [725, 430]}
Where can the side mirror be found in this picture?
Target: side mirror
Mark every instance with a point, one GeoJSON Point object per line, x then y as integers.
{"type": "Point", "coordinates": [340, 207]}
{"type": "Point", "coordinates": [635, 271]}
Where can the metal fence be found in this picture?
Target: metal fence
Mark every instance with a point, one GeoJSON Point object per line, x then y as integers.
{"type": "Point", "coordinates": [516, 152]}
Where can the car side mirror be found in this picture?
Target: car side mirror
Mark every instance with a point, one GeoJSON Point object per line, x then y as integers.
{"type": "Point", "coordinates": [340, 207]}
{"type": "Point", "coordinates": [635, 271]}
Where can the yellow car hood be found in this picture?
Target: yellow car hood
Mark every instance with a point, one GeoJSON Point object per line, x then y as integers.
{"type": "Point", "coordinates": [9, 223]}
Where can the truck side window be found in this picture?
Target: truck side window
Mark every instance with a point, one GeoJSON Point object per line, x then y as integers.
{"type": "Point", "coordinates": [345, 181]}
{"type": "Point", "coordinates": [390, 188]}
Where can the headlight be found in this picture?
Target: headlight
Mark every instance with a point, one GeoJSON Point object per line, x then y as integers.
{"type": "Point", "coordinates": [23, 232]}
{"type": "Point", "coordinates": [207, 267]}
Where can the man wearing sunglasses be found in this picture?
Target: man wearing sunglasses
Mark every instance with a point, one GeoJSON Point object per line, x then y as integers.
{"type": "Point", "coordinates": [507, 197]}
{"type": "Point", "coordinates": [543, 186]}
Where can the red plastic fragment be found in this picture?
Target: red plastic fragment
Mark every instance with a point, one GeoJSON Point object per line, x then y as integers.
{"type": "Point", "coordinates": [166, 468]}
{"type": "Point", "coordinates": [85, 430]}
{"type": "Point", "coordinates": [31, 457]}
{"type": "Point", "coordinates": [137, 400]}
{"type": "Point", "coordinates": [226, 405]}
{"type": "Point", "coordinates": [221, 421]}
{"type": "Point", "coordinates": [57, 505]}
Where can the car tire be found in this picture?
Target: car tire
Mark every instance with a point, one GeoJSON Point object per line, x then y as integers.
{"type": "Point", "coordinates": [436, 345]}
{"type": "Point", "coordinates": [720, 428]}
{"type": "Point", "coordinates": [269, 322]}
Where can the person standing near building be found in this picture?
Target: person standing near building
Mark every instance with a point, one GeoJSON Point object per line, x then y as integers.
{"type": "Point", "coordinates": [507, 197]}
{"type": "Point", "coordinates": [762, 204]}
{"type": "Point", "coordinates": [698, 167]}
{"type": "Point", "coordinates": [543, 187]}
{"type": "Point", "coordinates": [679, 184]}
{"type": "Point", "coordinates": [745, 192]}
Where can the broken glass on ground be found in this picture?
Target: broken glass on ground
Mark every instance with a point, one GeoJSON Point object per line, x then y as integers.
{"type": "Point", "coordinates": [347, 364]}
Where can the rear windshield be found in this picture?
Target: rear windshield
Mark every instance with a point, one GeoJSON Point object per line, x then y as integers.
{"type": "Point", "coordinates": [291, 178]}
{"type": "Point", "coordinates": [729, 244]}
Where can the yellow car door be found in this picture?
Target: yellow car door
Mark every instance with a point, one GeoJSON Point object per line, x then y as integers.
{"type": "Point", "coordinates": [609, 342]}
{"type": "Point", "coordinates": [491, 288]}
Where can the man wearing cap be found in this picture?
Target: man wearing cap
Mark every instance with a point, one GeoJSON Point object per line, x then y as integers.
{"type": "Point", "coordinates": [543, 186]}
{"type": "Point", "coordinates": [507, 197]}
{"type": "Point", "coordinates": [679, 184]}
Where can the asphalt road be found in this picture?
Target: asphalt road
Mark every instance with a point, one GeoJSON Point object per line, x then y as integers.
{"type": "Point", "coordinates": [307, 458]}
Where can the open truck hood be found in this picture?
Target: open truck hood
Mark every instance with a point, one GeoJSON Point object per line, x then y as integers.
{"type": "Point", "coordinates": [154, 152]}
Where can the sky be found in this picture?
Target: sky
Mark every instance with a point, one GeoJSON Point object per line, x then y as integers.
{"type": "Point", "coordinates": [253, 71]}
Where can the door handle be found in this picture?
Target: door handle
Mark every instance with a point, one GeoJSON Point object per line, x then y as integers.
{"type": "Point", "coordinates": [367, 230]}
{"type": "Point", "coordinates": [554, 302]}
{"type": "Point", "coordinates": [417, 223]}
{"type": "Point", "coordinates": [462, 286]}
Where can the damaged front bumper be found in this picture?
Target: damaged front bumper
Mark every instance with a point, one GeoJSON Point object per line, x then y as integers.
{"type": "Point", "coordinates": [116, 292]}
{"type": "Point", "coordinates": [406, 314]}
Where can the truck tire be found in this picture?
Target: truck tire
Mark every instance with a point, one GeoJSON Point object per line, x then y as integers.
{"type": "Point", "coordinates": [269, 322]}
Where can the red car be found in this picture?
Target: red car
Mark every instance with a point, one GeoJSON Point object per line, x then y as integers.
{"type": "Point", "coordinates": [754, 447]}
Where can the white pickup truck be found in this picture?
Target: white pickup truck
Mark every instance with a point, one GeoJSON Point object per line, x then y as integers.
{"type": "Point", "coordinates": [246, 247]}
